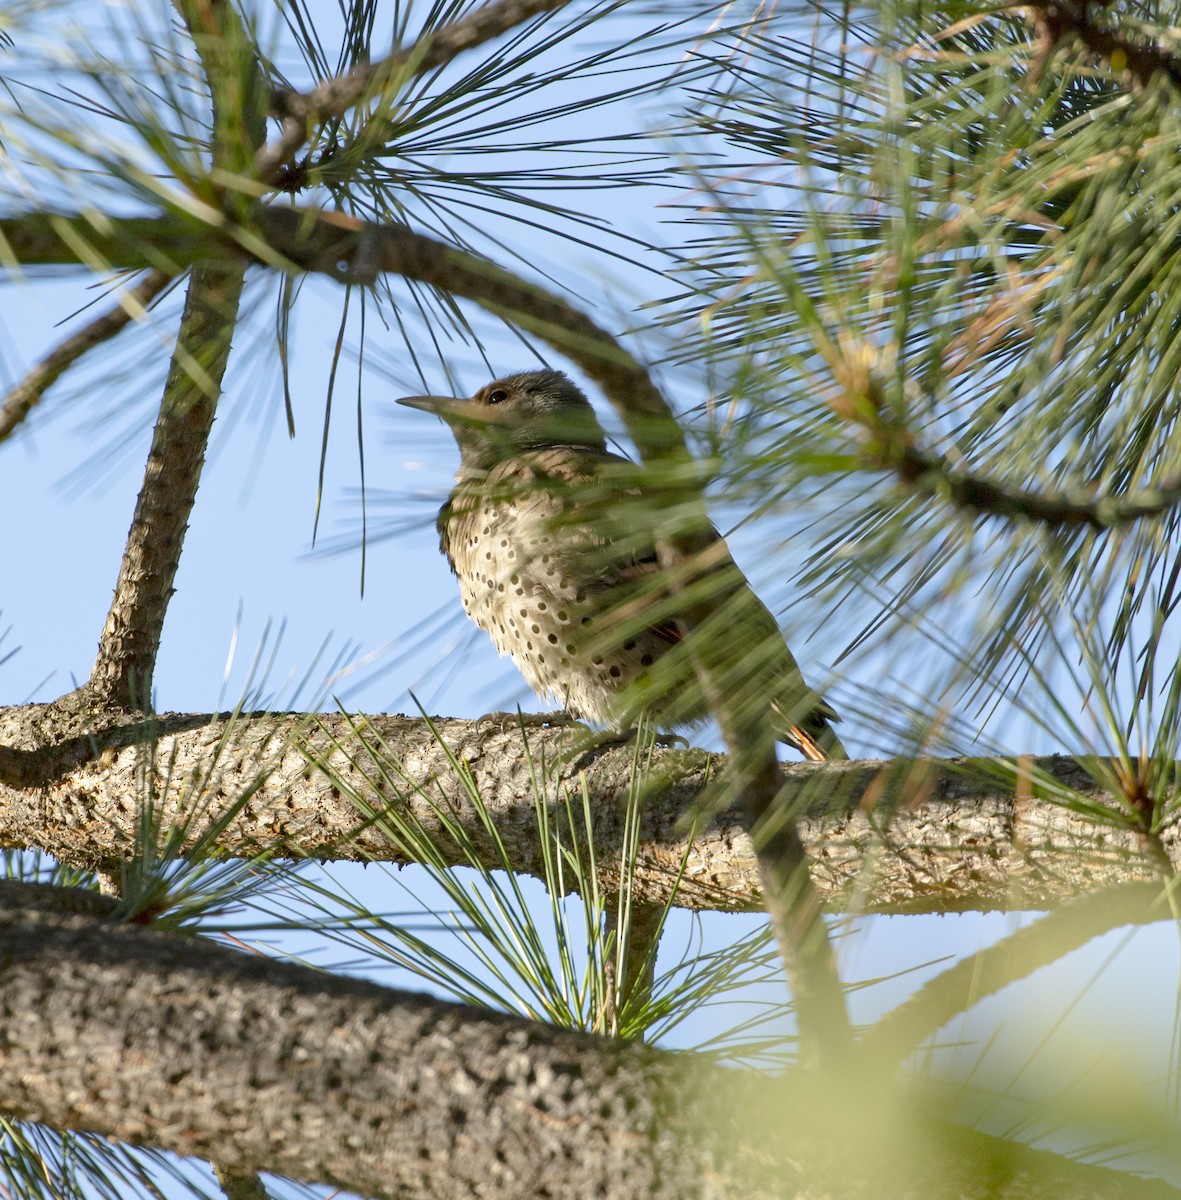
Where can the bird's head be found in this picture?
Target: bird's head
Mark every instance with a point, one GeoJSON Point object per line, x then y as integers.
{"type": "Point", "coordinates": [527, 411]}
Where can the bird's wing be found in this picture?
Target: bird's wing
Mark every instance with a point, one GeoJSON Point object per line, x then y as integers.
{"type": "Point", "coordinates": [593, 514]}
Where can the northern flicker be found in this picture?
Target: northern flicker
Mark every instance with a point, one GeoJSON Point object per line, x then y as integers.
{"type": "Point", "coordinates": [547, 534]}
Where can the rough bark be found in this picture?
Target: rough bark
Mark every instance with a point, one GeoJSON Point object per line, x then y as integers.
{"type": "Point", "coordinates": [180, 1044]}
{"type": "Point", "coordinates": [931, 836]}
{"type": "Point", "coordinates": [122, 673]}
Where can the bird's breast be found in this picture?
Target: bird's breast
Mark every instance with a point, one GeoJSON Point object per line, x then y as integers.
{"type": "Point", "coordinates": [540, 589]}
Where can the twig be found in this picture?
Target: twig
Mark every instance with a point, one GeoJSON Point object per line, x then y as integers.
{"type": "Point", "coordinates": [1048, 940]}
{"type": "Point", "coordinates": [931, 473]}
{"type": "Point", "coordinates": [1060, 19]}
{"type": "Point", "coordinates": [299, 111]}
{"type": "Point", "coordinates": [891, 445]}
{"type": "Point", "coordinates": [21, 400]}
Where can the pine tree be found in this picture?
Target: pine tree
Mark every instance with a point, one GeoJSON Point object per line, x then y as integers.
{"type": "Point", "coordinates": [918, 294]}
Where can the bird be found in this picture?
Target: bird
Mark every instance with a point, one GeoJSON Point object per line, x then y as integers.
{"type": "Point", "coordinates": [550, 536]}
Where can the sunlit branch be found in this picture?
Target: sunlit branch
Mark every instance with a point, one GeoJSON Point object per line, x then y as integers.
{"type": "Point", "coordinates": [181, 1044]}
{"type": "Point", "coordinates": [300, 111]}
{"type": "Point", "coordinates": [21, 399]}
{"type": "Point", "coordinates": [264, 1064]}
{"type": "Point", "coordinates": [971, 843]}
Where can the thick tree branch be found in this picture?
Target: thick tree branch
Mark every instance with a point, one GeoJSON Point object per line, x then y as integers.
{"type": "Point", "coordinates": [192, 1047]}
{"type": "Point", "coordinates": [922, 837]}
{"type": "Point", "coordinates": [181, 1044]}
{"type": "Point", "coordinates": [300, 111]}
{"type": "Point", "coordinates": [28, 393]}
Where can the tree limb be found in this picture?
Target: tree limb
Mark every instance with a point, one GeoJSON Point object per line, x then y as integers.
{"type": "Point", "coordinates": [130, 640]}
{"type": "Point", "coordinates": [25, 395]}
{"type": "Point", "coordinates": [189, 1046]}
{"type": "Point", "coordinates": [929, 836]}
{"type": "Point", "coordinates": [927, 472]}
{"type": "Point", "coordinates": [299, 111]}
{"type": "Point", "coordinates": [178, 1043]}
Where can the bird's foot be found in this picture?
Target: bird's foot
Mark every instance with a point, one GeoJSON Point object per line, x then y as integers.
{"type": "Point", "coordinates": [596, 739]}
{"type": "Point", "coordinates": [505, 721]}
{"type": "Point", "coordinates": [671, 741]}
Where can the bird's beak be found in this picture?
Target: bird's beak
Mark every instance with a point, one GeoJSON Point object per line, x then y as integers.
{"type": "Point", "coordinates": [457, 413]}
{"type": "Point", "coordinates": [441, 406]}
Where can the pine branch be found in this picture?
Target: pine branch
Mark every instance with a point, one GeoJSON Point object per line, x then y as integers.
{"type": "Point", "coordinates": [924, 471]}
{"type": "Point", "coordinates": [181, 1044]}
{"type": "Point", "coordinates": [122, 672]}
{"type": "Point", "coordinates": [890, 445]}
{"type": "Point", "coordinates": [925, 836]}
{"type": "Point", "coordinates": [266, 1065]}
{"type": "Point", "coordinates": [28, 393]}
{"type": "Point", "coordinates": [1061, 20]}
{"type": "Point", "coordinates": [130, 640]}
{"type": "Point", "coordinates": [300, 111]}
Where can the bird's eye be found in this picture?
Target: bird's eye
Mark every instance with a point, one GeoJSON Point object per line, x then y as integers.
{"type": "Point", "coordinates": [498, 396]}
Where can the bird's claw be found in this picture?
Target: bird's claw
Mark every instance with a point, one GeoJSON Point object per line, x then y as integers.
{"type": "Point", "coordinates": [506, 721]}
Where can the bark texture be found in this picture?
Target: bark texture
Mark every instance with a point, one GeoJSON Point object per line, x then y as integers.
{"type": "Point", "coordinates": [185, 1045]}
{"type": "Point", "coordinates": [122, 673]}
{"type": "Point", "coordinates": [933, 836]}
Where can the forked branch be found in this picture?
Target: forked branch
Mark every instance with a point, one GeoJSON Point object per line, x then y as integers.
{"type": "Point", "coordinates": [300, 112]}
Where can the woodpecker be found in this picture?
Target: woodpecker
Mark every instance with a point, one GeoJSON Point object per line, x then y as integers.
{"type": "Point", "coordinates": [546, 532]}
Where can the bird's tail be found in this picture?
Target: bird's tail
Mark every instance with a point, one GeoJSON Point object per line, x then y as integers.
{"type": "Point", "coordinates": [813, 736]}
